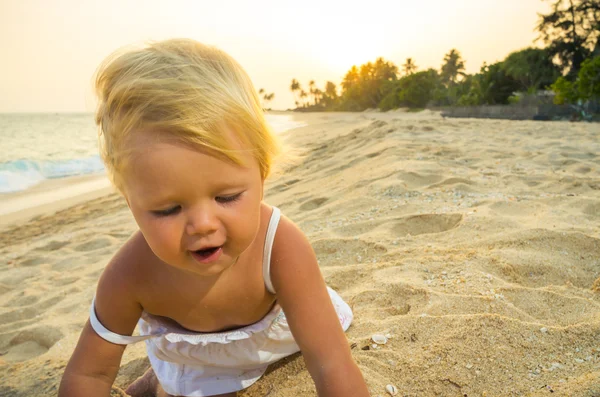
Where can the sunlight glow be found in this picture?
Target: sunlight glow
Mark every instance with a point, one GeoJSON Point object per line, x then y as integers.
{"type": "Point", "coordinates": [53, 48]}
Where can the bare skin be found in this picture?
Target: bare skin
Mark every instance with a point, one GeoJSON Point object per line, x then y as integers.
{"type": "Point", "coordinates": [147, 386]}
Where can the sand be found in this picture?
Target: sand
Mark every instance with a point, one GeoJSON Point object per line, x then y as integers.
{"type": "Point", "coordinates": [474, 244]}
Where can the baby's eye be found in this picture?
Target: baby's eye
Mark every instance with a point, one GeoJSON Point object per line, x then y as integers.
{"type": "Point", "coordinates": [169, 211]}
{"type": "Point", "coordinates": [228, 199]}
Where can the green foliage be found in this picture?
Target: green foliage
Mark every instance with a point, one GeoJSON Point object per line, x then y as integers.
{"type": "Point", "coordinates": [409, 66]}
{"type": "Point", "coordinates": [585, 88]}
{"type": "Point", "coordinates": [413, 91]}
{"type": "Point", "coordinates": [565, 91]}
{"type": "Point", "coordinates": [453, 67]}
{"type": "Point", "coordinates": [571, 32]}
{"type": "Point", "coordinates": [513, 100]}
{"type": "Point", "coordinates": [495, 86]}
{"type": "Point", "coordinates": [416, 90]}
{"type": "Point", "coordinates": [365, 87]}
{"type": "Point", "coordinates": [391, 99]}
{"type": "Point", "coordinates": [532, 68]}
{"type": "Point", "coordinates": [588, 81]}
{"type": "Point", "coordinates": [470, 92]}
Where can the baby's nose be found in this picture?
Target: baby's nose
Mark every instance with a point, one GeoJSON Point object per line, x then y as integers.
{"type": "Point", "coordinates": [202, 221]}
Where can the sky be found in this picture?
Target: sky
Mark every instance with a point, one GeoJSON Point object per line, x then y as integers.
{"type": "Point", "coordinates": [51, 49]}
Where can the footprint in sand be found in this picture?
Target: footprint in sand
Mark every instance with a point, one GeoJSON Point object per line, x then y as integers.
{"type": "Point", "coordinates": [52, 246]}
{"type": "Point", "coordinates": [396, 299]}
{"type": "Point", "coordinates": [583, 170]}
{"type": "Point", "coordinates": [592, 210]}
{"type": "Point", "coordinates": [426, 223]}
{"type": "Point", "coordinates": [579, 155]}
{"type": "Point", "coordinates": [346, 166]}
{"type": "Point", "coordinates": [29, 312]}
{"type": "Point", "coordinates": [335, 252]}
{"type": "Point", "coordinates": [413, 225]}
{"type": "Point", "coordinates": [452, 182]}
{"type": "Point", "coordinates": [374, 154]}
{"type": "Point", "coordinates": [29, 343]}
{"type": "Point", "coordinates": [22, 299]}
{"type": "Point", "coordinates": [551, 307]}
{"type": "Point", "coordinates": [284, 186]}
{"type": "Point", "coordinates": [313, 204]}
{"type": "Point", "coordinates": [61, 282]}
{"type": "Point", "coordinates": [16, 277]}
{"type": "Point", "coordinates": [33, 261]}
{"type": "Point", "coordinates": [541, 257]}
{"type": "Point", "coordinates": [92, 245]}
{"type": "Point", "coordinates": [415, 180]}
{"type": "Point", "coordinates": [26, 313]}
{"type": "Point", "coordinates": [70, 263]}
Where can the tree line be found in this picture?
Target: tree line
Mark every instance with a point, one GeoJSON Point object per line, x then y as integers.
{"type": "Point", "coordinates": [569, 65]}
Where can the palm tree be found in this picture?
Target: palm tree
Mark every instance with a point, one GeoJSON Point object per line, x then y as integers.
{"type": "Point", "coordinates": [303, 95]}
{"type": "Point", "coordinates": [453, 67]}
{"type": "Point", "coordinates": [409, 67]}
{"type": "Point", "coordinates": [351, 78]}
{"type": "Point", "coordinates": [318, 96]}
{"type": "Point", "coordinates": [268, 98]}
{"type": "Point", "coordinates": [330, 90]}
{"type": "Point", "coordinates": [330, 95]}
{"type": "Point", "coordinates": [311, 90]}
{"type": "Point", "coordinates": [295, 86]}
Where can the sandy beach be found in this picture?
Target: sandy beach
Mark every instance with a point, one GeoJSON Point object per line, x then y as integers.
{"type": "Point", "coordinates": [473, 245]}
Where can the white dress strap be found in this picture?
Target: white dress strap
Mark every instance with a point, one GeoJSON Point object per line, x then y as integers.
{"type": "Point", "coordinates": [271, 230]}
{"type": "Point", "coordinates": [110, 336]}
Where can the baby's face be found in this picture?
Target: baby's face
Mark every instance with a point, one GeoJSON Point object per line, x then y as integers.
{"type": "Point", "coordinates": [197, 212]}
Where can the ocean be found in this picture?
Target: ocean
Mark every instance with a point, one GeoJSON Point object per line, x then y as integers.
{"type": "Point", "coordinates": [39, 147]}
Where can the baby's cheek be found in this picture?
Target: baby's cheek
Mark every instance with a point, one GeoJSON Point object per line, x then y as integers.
{"type": "Point", "coordinates": [164, 242]}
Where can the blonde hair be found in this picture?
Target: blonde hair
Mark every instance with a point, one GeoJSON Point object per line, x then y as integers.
{"type": "Point", "coordinates": [187, 90]}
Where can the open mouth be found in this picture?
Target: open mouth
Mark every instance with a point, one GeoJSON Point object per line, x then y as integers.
{"type": "Point", "coordinates": [207, 251]}
{"type": "Point", "coordinates": [207, 254]}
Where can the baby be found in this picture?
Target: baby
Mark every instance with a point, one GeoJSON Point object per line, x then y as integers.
{"type": "Point", "coordinates": [220, 283]}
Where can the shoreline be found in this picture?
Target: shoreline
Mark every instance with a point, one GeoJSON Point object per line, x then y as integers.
{"type": "Point", "coordinates": [53, 195]}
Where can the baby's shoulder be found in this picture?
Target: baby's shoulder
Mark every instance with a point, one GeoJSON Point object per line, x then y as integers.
{"type": "Point", "coordinates": [125, 270]}
{"type": "Point", "coordinates": [133, 253]}
{"type": "Point", "coordinates": [289, 240]}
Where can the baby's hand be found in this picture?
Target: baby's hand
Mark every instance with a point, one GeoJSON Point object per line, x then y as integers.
{"type": "Point", "coordinates": [145, 385]}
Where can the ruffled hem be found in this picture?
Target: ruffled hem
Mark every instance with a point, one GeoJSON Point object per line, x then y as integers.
{"type": "Point", "coordinates": [275, 320]}
{"type": "Point", "coordinates": [174, 335]}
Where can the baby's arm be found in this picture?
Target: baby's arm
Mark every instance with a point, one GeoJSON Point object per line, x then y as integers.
{"type": "Point", "coordinates": [95, 362]}
{"type": "Point", "coordinates": [302, 293]}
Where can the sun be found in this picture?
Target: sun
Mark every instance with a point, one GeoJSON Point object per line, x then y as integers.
{"type": "Point", "coordinates": [342, 55]}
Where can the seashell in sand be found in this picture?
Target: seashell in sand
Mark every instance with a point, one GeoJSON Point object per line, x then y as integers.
{"type": "Point", "coordinates": [391, 389]}
{"type": "Point", "coordinates": [379, 339]}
